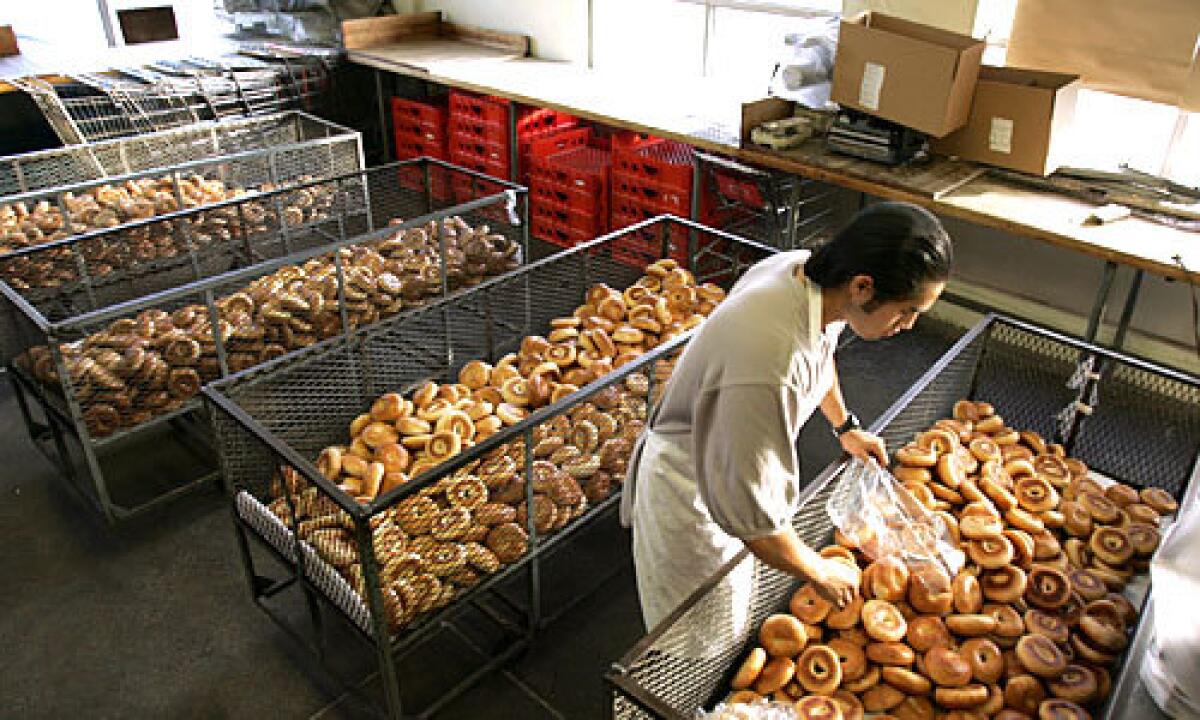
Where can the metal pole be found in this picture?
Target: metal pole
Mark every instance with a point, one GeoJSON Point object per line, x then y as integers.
{"type": "Point", "coordinates": [383, 119]}
{"type": "Point", "coordinates": [110, 35]}
{"type": "Point", "coordinates": [1131, 299]}
{"type": "Point", "coordinates": [1098, 306]}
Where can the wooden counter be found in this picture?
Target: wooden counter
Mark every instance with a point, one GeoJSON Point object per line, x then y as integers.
{"type": "Point", "coordinates": [707, 114]}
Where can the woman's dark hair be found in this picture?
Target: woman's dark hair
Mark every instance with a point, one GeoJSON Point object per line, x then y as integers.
{"type": "Point", "coordinates": [899, 245]}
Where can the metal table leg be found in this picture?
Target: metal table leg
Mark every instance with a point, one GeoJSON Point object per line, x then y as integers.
{"type": "Point", "coordinates": [383, 115]}
{"type": "Point", "coordinates": [1131, 299]}
{"type": "Point", "coordinates": [1101, 302]}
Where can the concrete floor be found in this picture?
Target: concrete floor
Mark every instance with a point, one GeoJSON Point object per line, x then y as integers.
{"type": "Point", "coordinates": [154, 618]}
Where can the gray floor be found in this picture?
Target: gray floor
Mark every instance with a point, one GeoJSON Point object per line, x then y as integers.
{"type": "Point", "coordinates": [154, 619]}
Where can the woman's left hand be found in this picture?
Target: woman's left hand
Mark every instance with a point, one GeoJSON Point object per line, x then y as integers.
{"type": "Point", "coordinates": [864, 445]}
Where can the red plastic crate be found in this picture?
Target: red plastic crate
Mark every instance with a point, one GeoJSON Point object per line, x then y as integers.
{"type": "Point", "coordinates": [492, 110]}
{"type": "Point", "coordinates": [676, 201]}
{"type": "Point", "coordinates": [590, 204]}
{"type": "Point", "coordinates": [471, 129]}
{"type": "Point", "coordinates": [627, 211]}
{"type": "Point", "coordinates": [409, 146]}
{"type": "Point", "coordinates": [554, 213]}
{"type": "Point", "coordinates": [576, 179]}
{"type": "Point", "coordinates": [484, 108]}
{"type": "Point", "coordinates": [664, 162]}
{"type": "Point", "coordinates": [412, 177]}
{"type": "Point", "coordinates": [479, 150]}
{"type": "Point", "coordinates": [541, 148]}
{"type": "Point", "coordinates": [741, 189]}
{"type": "Point", "coordinates": [583, 169]}
{"type": "Point", "coordinates": [556, 234]}
{"type": "Point", "coordinates": [629, 139]}
{"type": "Point", "coordinates": [423, 114]}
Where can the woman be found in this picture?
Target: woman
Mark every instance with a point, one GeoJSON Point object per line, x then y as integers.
{"type": "Point", "coordinates": [717, 468]}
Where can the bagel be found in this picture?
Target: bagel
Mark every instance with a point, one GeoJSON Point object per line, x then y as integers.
{"type": "Point", "coordinates": [1008, 621]}
{"type": "Point", "coordinates": [905, 680]}
{"type": "Point", "coordinates": [750, 669]}
{"type": "Point", "coordinates": [1043, 623]}
{"type": "Point", "coordinates": [883, 621]}
{"type": "Point", "coordinates": [985, 659]}
{"type": "Point", "coordinates": [782, 636]}
{"type": "Point", "coordinates": [1040, 656]}
{"type": "Point", "coordinates": [1159, 500]}
{"type": "Point", "coordinates": [961, 698]}
{"type": "Point", "coordinates": [970, 625]}
{"type": "Point", "coordinates": [890, 653]}
{"type": "Point", "coordinates": [809, 606]}
{"type": "Point", "coordinates": [946, 667]}
{"type": "Point", "coordinates": [818, 669]}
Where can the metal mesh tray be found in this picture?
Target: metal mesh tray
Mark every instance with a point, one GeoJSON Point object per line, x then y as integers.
{"type": "Point", "coordinates": [75, 164]}
{"type": "Point", "coordinates": [296, 147]}
{"type": "Point", "coordinates": [282, 415]}
{"type": "Point", "coordinates": [273, 291]}
{"type": "Point", "coordinates": [136, 100]}
{"type": "Point", "coordinates": [1144, 432]}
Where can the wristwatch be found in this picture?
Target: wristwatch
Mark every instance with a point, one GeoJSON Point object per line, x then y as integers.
{"type": "Point", "coordinates": [852, 423]}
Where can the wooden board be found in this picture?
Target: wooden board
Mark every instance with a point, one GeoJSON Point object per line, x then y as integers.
{"type": "Point", "coordinates": [376, 31]}
{"type": "Point", "coordinates": [426, 56]}
{"type": "Point", "coordinates": [388, 31]}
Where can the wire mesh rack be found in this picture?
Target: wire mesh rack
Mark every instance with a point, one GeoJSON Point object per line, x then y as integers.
{"type": "Point", "coordinates": [107, 362]}
{"type": "Point", "coordinates": [272, 423]}
{"type": "Point", "coordinates": [778, 209]}
{"type": "Point", "coordinates": [94, 107]}
{"type": "Point", "coordinates": [1145, 432]}
{"type": "Point", "coordinates": [73, 165]}
{"type": "Point", "coordinates": [295, 147]}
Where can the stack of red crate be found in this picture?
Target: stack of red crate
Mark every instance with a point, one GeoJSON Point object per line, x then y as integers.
{"type": "Point", "coordinates": [420, 129]}
{"type": "Point", "coordinates": [568, 188]}
{"type": "Point", "coordinates": [478, 134]}
{"type": "Point", "coordinates": [651, 178]}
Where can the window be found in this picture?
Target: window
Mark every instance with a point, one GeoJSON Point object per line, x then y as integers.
{"type": "Point", "coordinates": [660, 37]}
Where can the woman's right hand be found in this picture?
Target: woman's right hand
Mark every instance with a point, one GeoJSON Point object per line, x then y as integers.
{"type": "Point", "coordinates": [836, 582]}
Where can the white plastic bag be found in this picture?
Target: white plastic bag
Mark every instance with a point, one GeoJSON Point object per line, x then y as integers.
{"type": "Point", "coordinates": [878, 515]}
{"type": "Point", "coordinates": [758, 710]}
{"type": "Point", "coordinates": [1171, 669]}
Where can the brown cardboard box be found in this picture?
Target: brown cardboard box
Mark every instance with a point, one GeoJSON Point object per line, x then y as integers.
{"type": "Point", "coordinates": [1019, 120]}
{"type": "Point", "coordinates": [906, 72]}
{"type": "Point", "coordinates": [8, 41]}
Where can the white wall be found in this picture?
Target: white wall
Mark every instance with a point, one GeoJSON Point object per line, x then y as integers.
{"type": "Point", "coordinates": [558, 28]}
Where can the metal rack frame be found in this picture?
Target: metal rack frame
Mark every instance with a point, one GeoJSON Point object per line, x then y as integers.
{"type": "Point", "coordinates": [796, 213]}
{"type": "Point", "coordinates": [55, 416]}
{"type": "Point", "coordinates": [299, 148]}
{"type": "Point", "coordinates": [1030, 369]}
{"type": "Point", "coordinates": [97, 107]}
{"type": "Point", "coordinates": [257, 434]}
{"type": "Point", "coordinates": [205, 140]}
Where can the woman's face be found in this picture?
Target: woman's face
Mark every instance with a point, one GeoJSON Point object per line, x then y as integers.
{"type": "Point", "coordinates": [875, 321]}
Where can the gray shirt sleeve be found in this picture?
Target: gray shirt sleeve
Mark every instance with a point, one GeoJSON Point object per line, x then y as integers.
{"type": "Point", "coordinates": [747, 469]}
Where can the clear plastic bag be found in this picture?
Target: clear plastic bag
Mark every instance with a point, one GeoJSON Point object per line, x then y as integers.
{"type": "Point", "coordinates": [758, 710]}
{"type": "Point", "coordinates": [873, 511]}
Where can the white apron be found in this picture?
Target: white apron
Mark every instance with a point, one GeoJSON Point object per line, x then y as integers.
{"type": "Point", "coordinates": [676, 544]}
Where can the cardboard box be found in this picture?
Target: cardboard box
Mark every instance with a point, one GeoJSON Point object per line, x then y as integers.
{"type": "Point", "coordinates": [8, 41]}
{"type": "Point", "coordinates": [1020, 120]}
{"type": "Point", "coordinates": [906, 72]}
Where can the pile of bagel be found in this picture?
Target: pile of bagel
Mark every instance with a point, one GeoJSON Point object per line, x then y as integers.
{"type": "Point", "coordinates": [109, 206]}
{"type": "Point", "coordinates": [1032, 625]}
{"type": "Point", "coordinates": [470, 523]}
{"type": "Point", "coordinates": [139, 367]}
